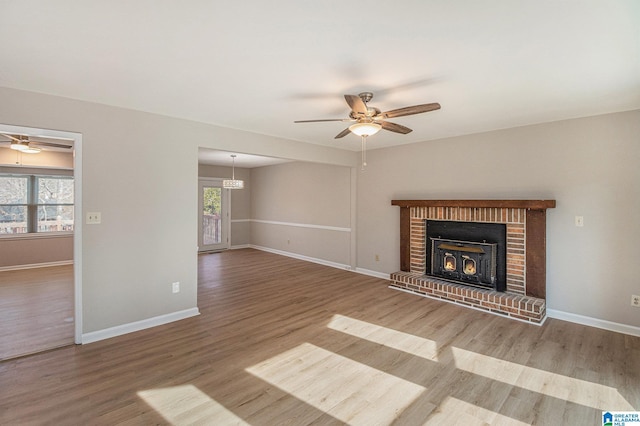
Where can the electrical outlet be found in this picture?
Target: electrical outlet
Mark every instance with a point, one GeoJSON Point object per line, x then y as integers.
{"type": "Point", "coordinates": [175, 287]}
{"type": "Point", "coordinates": [579, 221]}
{"type": "Point", "coordinates": [94, 218]}
{"type": "Point", "coordinates": [635, 300]}
{"type": "Point", "coordinates": [377, 258]}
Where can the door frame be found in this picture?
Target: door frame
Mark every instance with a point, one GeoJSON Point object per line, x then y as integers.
{"type": "Point", "coordinates": [225, 208]}
{"type": "Point", "coordinates": [77, 211]}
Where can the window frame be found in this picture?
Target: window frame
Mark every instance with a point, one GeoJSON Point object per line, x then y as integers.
{"type": "Point", "coordinates": [32, 205]}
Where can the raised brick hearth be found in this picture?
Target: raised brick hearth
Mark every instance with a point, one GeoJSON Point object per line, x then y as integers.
{"type": "Point", "coordinates": [525, 220]}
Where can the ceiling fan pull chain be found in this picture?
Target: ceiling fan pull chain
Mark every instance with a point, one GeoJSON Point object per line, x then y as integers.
{"type": "Point", "coordinates": [364, 152]}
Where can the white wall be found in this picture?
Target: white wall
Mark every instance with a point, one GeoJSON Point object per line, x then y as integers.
{"type": "Point", "coordinates": [589, 165]}
{"type": "Point", "coordinates": [140, 171]}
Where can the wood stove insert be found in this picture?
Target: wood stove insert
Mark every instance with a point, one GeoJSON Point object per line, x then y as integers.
{"type": "Point", "coordinates": [466, 252]}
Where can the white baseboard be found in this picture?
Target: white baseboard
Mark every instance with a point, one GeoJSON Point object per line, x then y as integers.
{"type": "Point", "coordinates": [240, 246]}
{"type": "Point", "coordinates": [362, 271]}
{"type": "Point", "coordinates": [551, 313]}
{"type": "Point", "coordinates": [375, 274]}
{"type": "Point", "coordinates": [35, 265]}
{"type": "Point", "coordinates": [119, 330]}
{"type": "Point", "coordinates": [594, 322]}
{"type": "Point", "coordinates": [303, 257]}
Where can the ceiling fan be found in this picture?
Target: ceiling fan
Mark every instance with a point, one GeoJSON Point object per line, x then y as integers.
{"type": "Point", "coordinates": [22, 143]}
{"type": "Point", "coordinates": [368, 120]}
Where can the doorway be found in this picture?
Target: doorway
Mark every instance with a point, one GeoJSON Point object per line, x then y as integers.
{"type": "Point", "coordinates": [51, 288]}
{"type": "Point", "coordinates": [213, 212]}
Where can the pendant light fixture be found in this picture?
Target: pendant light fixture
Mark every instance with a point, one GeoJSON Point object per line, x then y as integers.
{"type": "Point", "coordinates": [233, 183]}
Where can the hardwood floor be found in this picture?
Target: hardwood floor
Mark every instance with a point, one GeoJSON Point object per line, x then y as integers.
{"type": "Point", "coordinates": [36, 310]}
{"type": "Point", "coordinates": [283, 341]}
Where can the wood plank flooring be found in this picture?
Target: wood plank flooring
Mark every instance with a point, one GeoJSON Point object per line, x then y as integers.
{"type": "Point", "coordinates": [36, 310]}
{"type": "Point", "coordinates": [283, 341]}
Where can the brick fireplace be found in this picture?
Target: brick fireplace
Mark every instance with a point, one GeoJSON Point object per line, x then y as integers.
{"type": "Point", "coordinates": [525, 220]}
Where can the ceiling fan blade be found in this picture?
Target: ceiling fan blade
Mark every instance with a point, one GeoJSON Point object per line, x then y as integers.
{"type": "Point", "coordinates": [356, 104]}
{"type": "Point", "coordinates": [395, 127]}
{"type": "Point", "coordinates": [27, 140]}
{"type": "Point", "coordinates": [343, 133]}
{"type": "Point", "coordinates": [324, 119]}
{"type": "Point", "coordinates": [51, 144]}
{"type": "Point", "coordinates": [11, 137]}
{"type": "Point", "coordinates": [415, 109]}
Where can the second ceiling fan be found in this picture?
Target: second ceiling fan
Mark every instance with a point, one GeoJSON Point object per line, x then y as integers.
{"type": "Point", "coordinates": [361, 115]}
{"type": "Point", "coordinates": [24, 143]}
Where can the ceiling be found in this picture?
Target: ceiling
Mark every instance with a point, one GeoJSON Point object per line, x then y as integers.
{"type": "Point", "coordinates": [247, 161]}
{"type": "Point", "coordinates": [251, 65]}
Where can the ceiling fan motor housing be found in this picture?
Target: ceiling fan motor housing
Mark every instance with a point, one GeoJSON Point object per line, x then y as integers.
{"type": "Point", "coordinates": [365, 96]}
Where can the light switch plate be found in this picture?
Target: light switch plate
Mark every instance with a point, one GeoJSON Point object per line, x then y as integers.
{"type": "Point", "coordinates": [94, 218]}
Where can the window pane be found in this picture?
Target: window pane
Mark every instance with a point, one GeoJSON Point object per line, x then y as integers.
{"type": "Point", "coordinates": [52, 190]}
{"type": "Point", "coordinates": [13, 219]}
{"type": "Point", "coordinates": [55, 218]}
{"type": "Point", "coordinates": [13, 190]}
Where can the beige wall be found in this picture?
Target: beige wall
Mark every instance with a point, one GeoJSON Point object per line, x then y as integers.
{"type": "Point", "coordinates": [146, 191]}
{"type": "Point", "coordinates": [140, 171]}
{"type": "Point", "coordinates": [310, 205]}
{"type": "Point", "coordinates": [240, 201]}
{"type": "Point", "coordinates": [10, 157]}
{"type": "Point", "coordinates": [589, 165]}
{"type": "Point", "coordinates": [35, 251]}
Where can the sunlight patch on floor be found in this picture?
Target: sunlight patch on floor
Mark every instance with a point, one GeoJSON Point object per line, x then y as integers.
{"type": "Point", "coordinates": [552, 384]}
{"type": "Point", "coordinates": [394, 339]}
{"type": "Point", "coordinates": [187, 404]}
{"type": "Point", "coordinates": [541, 381]}
{"type": "Point", "coordinates": [345, 389]}
{"type": "Point", "coordinates": [456, 411]}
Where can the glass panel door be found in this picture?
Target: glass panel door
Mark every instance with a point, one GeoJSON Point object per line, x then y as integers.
{"type": "Point", "coordinates": [213, 223]}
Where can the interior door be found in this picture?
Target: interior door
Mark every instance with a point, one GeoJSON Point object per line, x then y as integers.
{"type": "Point", "coordinates": [213, 211]}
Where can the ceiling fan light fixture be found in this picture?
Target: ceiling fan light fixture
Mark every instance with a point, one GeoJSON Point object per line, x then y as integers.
{"type": "Point", "coordinates": [31, 150]}
{"type": "Point", "coordinates": [365, 129]}
{"type": "Point", "coordinates": [233, 183]}
{"type": "Point", "coordinates": [19, 146]}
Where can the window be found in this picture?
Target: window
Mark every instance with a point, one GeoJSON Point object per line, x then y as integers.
{"type": "Point", "coordinates": [32, 203]}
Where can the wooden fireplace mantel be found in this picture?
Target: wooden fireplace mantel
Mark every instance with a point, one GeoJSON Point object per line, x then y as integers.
{"type": "Point", "coordinates": [504, 204]}
{"type": "Point", "coordinates": [535, 231]}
